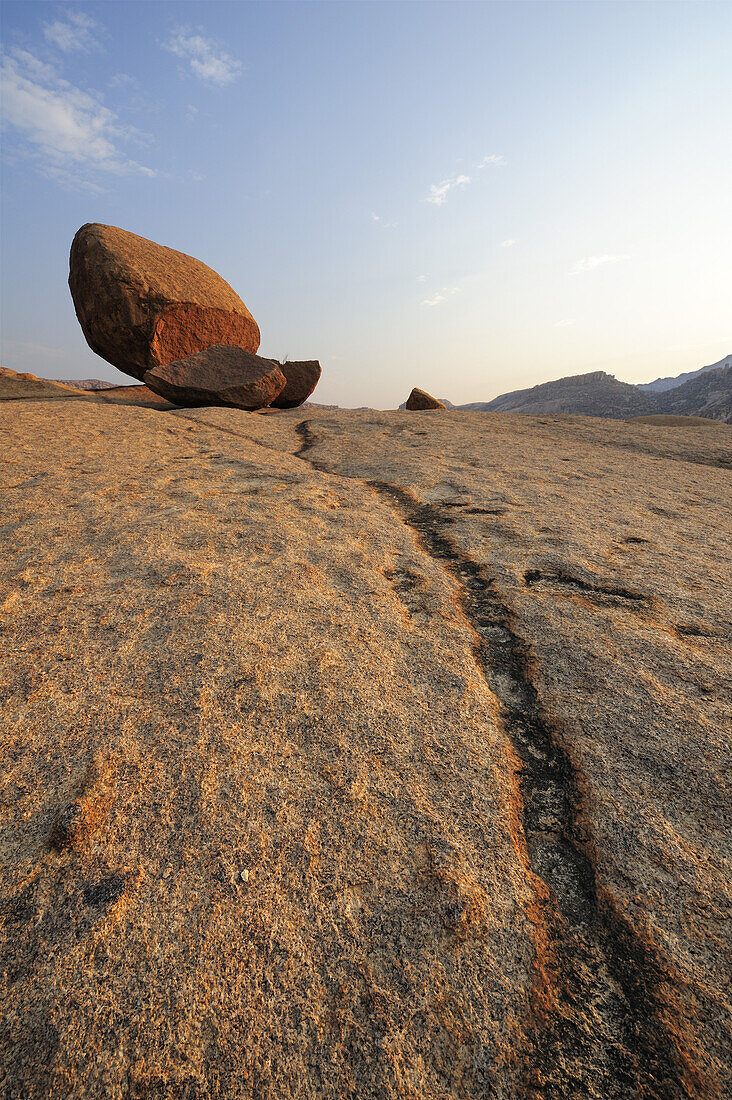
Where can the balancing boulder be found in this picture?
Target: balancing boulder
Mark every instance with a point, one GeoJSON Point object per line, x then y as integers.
{"type": "Point", "coordinates": [220, 375]}
{"type": "Point", "coordinates": [302, 378]}
{"type": "Point", "coordinates": [141, 305]}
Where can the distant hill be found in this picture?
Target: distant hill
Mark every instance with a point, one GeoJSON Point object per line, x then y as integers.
{"type": "Point", "coordinates": [670, 383]}
{"type": "Point", "coordinates": [15, 386]}
{"type": "Point", "coordinates": [595, 394]}
{"type": "Point", "coordinates": [86, 383]}
{"type": "Point", "coordinates": [707, 394]}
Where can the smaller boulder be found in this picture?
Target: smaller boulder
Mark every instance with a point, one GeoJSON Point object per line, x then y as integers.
{"type": "Point", "coordinates": [220, 375]}
{"type": "Point", "coordinates": [302, 378]}
{"type": "Point", "coordinates": [419, 400]}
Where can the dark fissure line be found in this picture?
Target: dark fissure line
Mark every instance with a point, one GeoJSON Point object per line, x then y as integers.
{"type": "Point", "coordinates": [557, 577]}
{"type": "Point", "coordinates": [308, 441]}
{"type": "Point", "coordinates": [602, 961]}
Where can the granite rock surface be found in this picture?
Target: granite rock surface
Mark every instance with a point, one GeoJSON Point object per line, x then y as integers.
{"type": "Point", "coordinates": [141, 304]}
{"type": "Point", "coordinates": [301, 378]}
{"type": "Point", "coordinates": [419, 401]}
{"type": "Point", "coordinates": [355, 755]}
{"type": "Point", "coordinates": [219, 375]}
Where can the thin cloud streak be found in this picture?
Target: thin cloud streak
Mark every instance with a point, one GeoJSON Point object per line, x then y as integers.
{"type": "Point", "coordinates": [205, 58]}
{"type": "Point", "coordinates": [439, 191]}
{"type": "Point", "coordinates": [591, 263]}
{"type": "Point", "coordinates": [440, 296]}
{"type": "Point", "coordinates": [377, 218]}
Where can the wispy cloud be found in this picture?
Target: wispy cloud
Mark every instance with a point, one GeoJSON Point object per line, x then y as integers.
{"type": "Point", "coordinates": [508, 243]}
{"type": "Point", "coordinates": [566, 322]}
{"type": "Point", "coordinates": [440, 296]}
{"type": "Point", "coordinates": [439, 191]}
{"type": "Point", "coordinates": [383, 222]}
{"type": "Point", "coordinates": [591, 263]}
{"type": "Point", "coordinates": [205, 58]}
{"type": "Point", "coordinates": [123, 80]}
{"type": "Point", "coordinates": [70, 134]}
{"type": "Point", "coordinates": [493, 160]}
{"type": "Point", "coordinates": [421, 278]}
{"type": "Point", "coordinates": [72, 33]}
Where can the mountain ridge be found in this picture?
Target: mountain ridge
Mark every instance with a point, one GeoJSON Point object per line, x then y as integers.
{"type": "Point", "coordinates": [706, 392]}
{"type": "Point", "coordinates": [671, 382]}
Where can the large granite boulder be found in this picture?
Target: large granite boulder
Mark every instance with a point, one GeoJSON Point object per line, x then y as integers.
{"type": "Point", "coordinates": [301, 380]}
{"type": "Point", "coordinates": [419, 400]}
{"type": "Point", "coordinates": [220, 375]}
{"type": "Point", "coordinates": [141, 305]}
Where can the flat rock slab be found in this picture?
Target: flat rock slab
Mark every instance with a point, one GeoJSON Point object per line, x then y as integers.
{"type": "Point", "coordinates": [141, 304]}
{"type": "Point", "coordinates": [220, 375]}
{"type": "Point", "coordinates": [345, 760]}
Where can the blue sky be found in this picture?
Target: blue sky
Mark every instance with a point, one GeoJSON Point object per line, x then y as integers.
{"type": "Point", "coordinates": [470, 198]}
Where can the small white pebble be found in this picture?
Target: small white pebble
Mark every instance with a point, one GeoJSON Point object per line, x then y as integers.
{"type": "Point", "coordinates": [244, 876]}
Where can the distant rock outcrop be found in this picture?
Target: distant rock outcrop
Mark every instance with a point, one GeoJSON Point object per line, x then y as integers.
{"type": "Point", "coordinates": [142, 305]}
{"type": "Point", "coordinates": [219, 375]}
{"type": "Point", "coordinates": [86, 383]}
{"type": "Point", "coordinates": [14, 385]}
{"type": "Point", "coordinates": [420, 400]}
{"type": "Point", "coordinates": [301, 378]}
{"type": "Point", "coordinates": [594, 394]}
{"type": "Point", "coordinates": [662, 385]}
{"type": "Point", "coordinates": [707, 394]}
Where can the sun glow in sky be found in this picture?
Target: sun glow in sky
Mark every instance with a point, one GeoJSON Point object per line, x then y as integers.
{"type": "Point", "coordinates": [471, 198]}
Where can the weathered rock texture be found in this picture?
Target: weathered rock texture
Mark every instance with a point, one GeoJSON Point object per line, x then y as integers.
{"type": "Point", "coordinates": [220, 375]}
{"type": "Point", "coordinates": [301, 379]}
{"type": "Point", "coordinates": [450, 691]}
{"type": "Point", "coordinates": [420, 400]}
{"type": "Point", "coordinates": [141, 305]}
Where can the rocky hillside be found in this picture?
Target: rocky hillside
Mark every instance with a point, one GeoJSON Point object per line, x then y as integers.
{"type": "Point", "coordinates": [86, 383]}
{"type": "Point", "coordinates": [660, 385]}
{"type": "Point", "coordinates": [707, 393]}
{"type": "Point", "coordinates": [594, 394]}
{"type": "Point", "coordinates": [363, 755]}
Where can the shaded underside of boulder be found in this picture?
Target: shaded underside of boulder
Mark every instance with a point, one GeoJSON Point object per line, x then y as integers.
{"type": "Point", "coordinates": [141, 304]}
{"type": "Point", "coordinates": [420, 400]}
{"type": "Point", "coordinates": [220, 375]}
{"type": "Point", "coordinates": [301, 379]}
